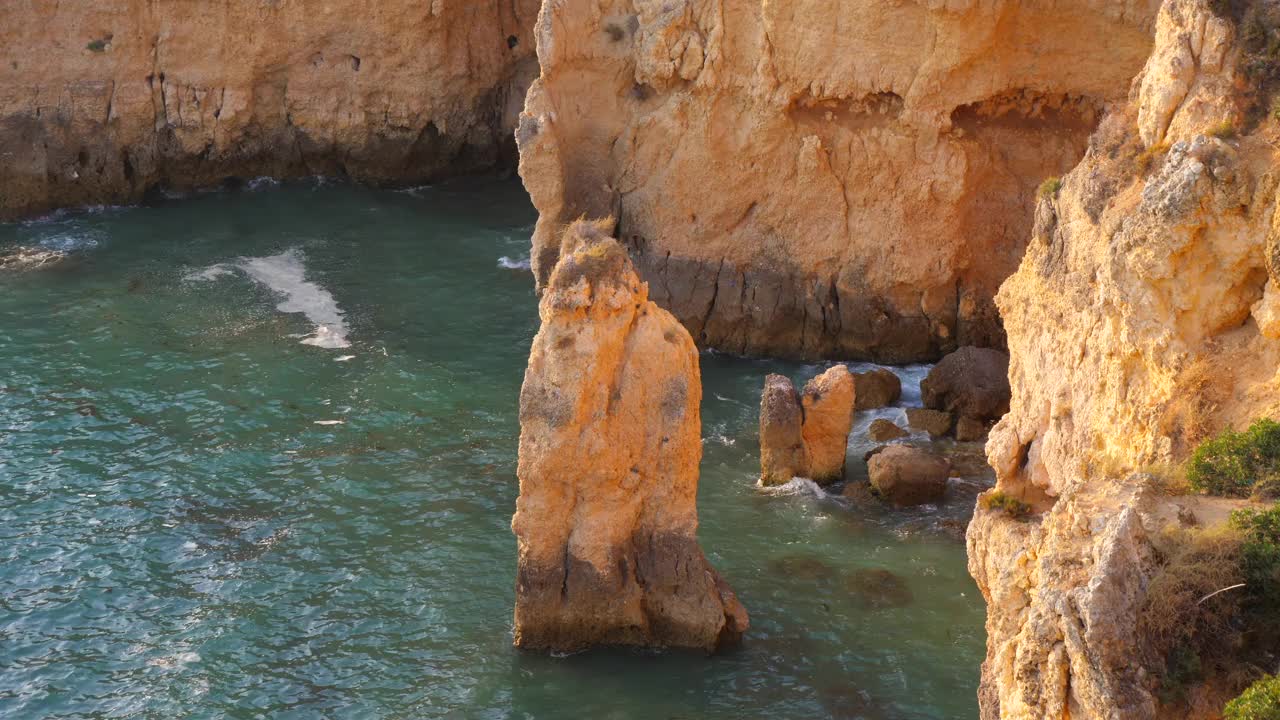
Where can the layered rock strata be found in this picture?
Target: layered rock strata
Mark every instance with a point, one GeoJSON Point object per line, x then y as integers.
{"type": "Point", "coordinates": [806, 434]}
{"type": "Point", "coordinates": [610, 442]}
{"type": "Point", "coordinates": [816, 179]}
{"type": "Point", "coordinates": [1138, 324]}
{"type": "Point", "coordinates": [100, 102]}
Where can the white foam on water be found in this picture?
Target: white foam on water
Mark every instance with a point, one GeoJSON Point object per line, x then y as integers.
{"type": "Point", "coordinates": [345, 358]}
{"type": "Point", "coordinates": [795, 486]}
{"type": "Point", "coordinates": [208, 274]}
{"type": "Point", "coordinates": [507, 263]}
{"type": "Point", "coordinates": [261, 183]}
{"type": "Point", "coordinates": [286, 275]}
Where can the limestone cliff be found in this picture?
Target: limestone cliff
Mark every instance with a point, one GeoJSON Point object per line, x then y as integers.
{"type": "Point", "coordinates": [844, 179]}
{"type": "Point", "coordinates": [1141, 319]}
{"type": "Point", "coordinates": [100, 101]}
{"type": "Point", "coordinates": [610, 441]}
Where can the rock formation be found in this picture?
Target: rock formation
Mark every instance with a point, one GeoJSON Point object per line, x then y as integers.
{"type": "Point", "coordinates": [882, 430]}
{"type": "Point", "coordinates": [972, 384]}
{"type": "Point", "coordinates": [806, 435]}
{"type": "Point", "coordinates": [1138, 323]}
{"type": "Point", "coordinates": [813, 179]}
{"type": "Point", "coordinates": [610, 443]}
{"type": "Point", "coordinates": [877, 388]}
{"type": "Point", "coordinates": [905, 475]}
{"type": "Point", "coordinates": [100, 101]}
{"type": "Point", "coordinates": [935, 422]}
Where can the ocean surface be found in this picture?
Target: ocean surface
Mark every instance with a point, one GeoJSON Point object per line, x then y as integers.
{"type": "Point", "coordinates": [257, 460]}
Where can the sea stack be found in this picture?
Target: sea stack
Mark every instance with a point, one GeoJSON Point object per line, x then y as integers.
{"type": "Point", "coordinates": [610, 444]}
{"type": "Point", "coordinates": [806, 434]}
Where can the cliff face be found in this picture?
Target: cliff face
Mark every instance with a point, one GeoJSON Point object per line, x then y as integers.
{"type": "Point", "coordinates": [100, 101]}
{"type": "Point", "coordinates": [610, 441]}
{"type": "Point", "coordinates": [1141, 320]}
{"type": "Point", "coordinates": [819, 179]}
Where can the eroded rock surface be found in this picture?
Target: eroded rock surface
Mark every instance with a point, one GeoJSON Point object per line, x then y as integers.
{"type": "Point", "coordinates": [610, 443]}
{"type": "Point", "coordinates": [806, 435]}
{"type": "Point", "coordinates": [1137, 326]}
{"type": "Point", "coordinates": [969, 383]}
{"type": "Point", "coordinates": [877, 388]}
{"type": "Point", "coordinates": [905, 475]}
{"type": "Point", "coordinates": [846, 179]}
{"type": "Point", "coordinates": [100, 101]}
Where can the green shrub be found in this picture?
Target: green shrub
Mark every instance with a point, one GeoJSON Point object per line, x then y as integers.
{"type": "Point", "coordinates": [1225, 130]}
{"type": "Point", "coordinates": [1260, 556]}
{"type": "Point", "coordinates": [1233, 463]}
{"type": "Point", "coordinates": [1260, 702]}
{"type": "Point", "coordinates": [1015, 508]}
{"type": "Point", "coordinates": [1049, 188]}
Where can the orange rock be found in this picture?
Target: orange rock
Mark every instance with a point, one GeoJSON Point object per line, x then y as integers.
{"type": "Point", "coordinates": [806, 435]}
{"type": "Point", "coordinates": [820, 178]}
{"type": "Point", "coordinates": [610, 442]}
{"type": "Point", "coordinates": [828, 402]}
{"type": "Point", "coordinates": [100, 101]}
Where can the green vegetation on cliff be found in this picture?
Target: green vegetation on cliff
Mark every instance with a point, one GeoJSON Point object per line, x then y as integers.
{"type": "Point", "coordinates": [1239, 464]}
{"type": "Point", "coordinates": [1260, 702]}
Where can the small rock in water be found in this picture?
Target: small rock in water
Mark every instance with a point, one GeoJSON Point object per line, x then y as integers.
{"type": "Point", "coordinates": [806, 435]}
{"type": "Point", "coordinates": [909, 476]}
{"type": "Point", "coordinates": [882, 430]}
{"type": "Point", "coordinates": [970, 429]}
{"type": "Point", "coordinates": [877, 388]}
{"type": "Point", "coordinates": [877, 588]}
{"type": "Point", "coordinates": [802, 567]}
{"type": "Point", "coordinates": [934, 422]}
{"type": "Point", "coordinates": [29, 258]}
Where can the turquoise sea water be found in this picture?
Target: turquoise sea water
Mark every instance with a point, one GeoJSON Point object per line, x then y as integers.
{"type": "Point", "coordinates": [257, 459]}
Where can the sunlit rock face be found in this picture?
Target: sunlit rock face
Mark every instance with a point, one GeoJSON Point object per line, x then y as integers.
{"type": "Point", "coordinates": [610, 443]}
{"type": "Point", "coordinates": [848, 179]}
{"type": "Point", "coordinates": [100, 101]}
{"type": "Point", "coordinates": [1139, 323]}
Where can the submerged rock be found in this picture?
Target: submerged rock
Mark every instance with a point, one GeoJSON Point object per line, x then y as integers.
{"type": "Point", "coordinates": [802, 567]}
{"type": "Point", "coordinates": [877, 588]}
{"type": "Point", "coordinates": [29, 258]}
{"type": "Point", "coordinates": [806, 435]}
{"type": "Point", "coordinates": [610, 442]}
{"type": "Point", "coordinates": [905, 475]}
{"type": "Point", "coordinates": [877, 388]}
{"type": "Point", "coordinates": [882, 430]}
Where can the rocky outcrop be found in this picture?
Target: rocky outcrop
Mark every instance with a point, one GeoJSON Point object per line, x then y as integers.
{"type": "Point", "coordinates": [610, 442]}
{"type": "Point", "coordinates": [810, 179]}
{"type": "Point", "coordinates": [882, 430]}
{"type": "Point", "coordinates": [1137, 325]}
{"type": "Point", "coordinates": [905, 475]}
{"type": "Point", "coordinates": [935, 422]}
{"type": "Point", "coordinates": [877, 388]}
{"type": "Point", "coordinates": [101, 101]}
{"type": "Point", "coordinates": [806, 435]}
{"type": "Point", "coordinates": [972, 385]}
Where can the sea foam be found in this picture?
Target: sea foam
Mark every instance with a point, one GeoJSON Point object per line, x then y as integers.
{"type": "Point", "coordinates": [285, 274]}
